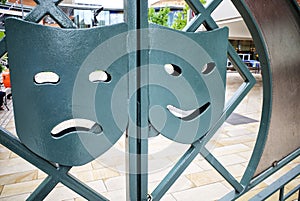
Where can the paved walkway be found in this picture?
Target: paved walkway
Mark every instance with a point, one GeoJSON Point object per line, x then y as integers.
{"type": "Point", "coordinates": [232, 145]}
{"type": "Point", "coordinates": [7, 114]}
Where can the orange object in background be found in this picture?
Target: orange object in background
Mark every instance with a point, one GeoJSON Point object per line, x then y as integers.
{"type": "Point", "coordinates": [6, 79]}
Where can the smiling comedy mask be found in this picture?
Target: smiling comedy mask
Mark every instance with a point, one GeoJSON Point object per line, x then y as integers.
{"type": "Point", "coordinates": [186, 82]}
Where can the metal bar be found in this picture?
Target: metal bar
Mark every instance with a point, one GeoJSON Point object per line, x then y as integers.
{"type": "Point", "coordinates": [267, 89]}
{"type": "Point", "coordinates": [43, 189]}
{"type": "Point", "coordinates": [12, 143]}
{"type": "Point", "coordinates": [48, 7]}
{"type": "Point", "coordinates": [229, 108]}
{"type": "Point", "coordinates": [289, 194]}
{"type": "Point", "coordinates": [176, 171]}
{"type": "Point", "coordinates": [35, 15]}
{"type": "Point", "coordinates": [81, 188]}
{"type": "Point", "coordinates": [260, 178]}
{"type": "Point", "coordinates": [281, 194]}
{"type": "Point", "coordinates": [257, 180]}
{"type": "Point", "coordinates": [136, 16]}
{"type": "Point", "coordinates": [60, 174]}
{"type": "Point", "coordinates": [243, 70]}
{"type": "Point", "coordinates": [60, 17]}
{"type": "Point", "coordinates": [220, 168]}
{"type": "Point", "coordinates": [203, 16]}
{"type": "Point", "coordinates": [210, 24]}
{"type": "Point", "coordinates": [271, 189]}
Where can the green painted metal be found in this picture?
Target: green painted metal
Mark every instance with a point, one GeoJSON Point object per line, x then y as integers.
{"type": "Point", "coordinates": [74, 96]}
{"type": "Point", "coordinates": [57, 174]}
{"type": "Point", "coordinates": [137, 131]}
{"type": "Point", "coordinates": [176, 171]}
{"type": "Point", "coordinates": [278, 184]}
{"type": "Point", "coordinates": [260, 178]}
{"type": "Point", "coordinates": [49, 7]}
{"type": "Point", "coordinates": [221, 169]}
{"type": "Point", "coordinates": [148, 91]}
{"type": "Point", "coordinates": [267, 90]}
{"type": "Point", "coordinates": [193, 89]}
{"type": "Point", "coordinates": [292, 192]}
{"type": "Point", "coordinates": [249, 81]}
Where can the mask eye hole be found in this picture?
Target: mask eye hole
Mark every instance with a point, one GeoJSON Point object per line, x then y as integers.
{"type": "Point", "coordinates": [99, 76]}
{"type": "Point", "coordinates": [46, 78]}
{"type": "Point", "coordinates": [173, 69]}
{"type": "Point", "coordinates": [208, 68]}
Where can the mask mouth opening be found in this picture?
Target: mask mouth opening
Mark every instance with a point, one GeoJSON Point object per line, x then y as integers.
{"type": "Point", "coordinates": [188, 115]}
{"type": "Point", "coordinates": [73, 125]}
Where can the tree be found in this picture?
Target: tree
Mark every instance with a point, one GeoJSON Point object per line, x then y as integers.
{"type": "Point", "coordinates": [160, 17]}
{"type": "Point", "coordinates": [181, 20]}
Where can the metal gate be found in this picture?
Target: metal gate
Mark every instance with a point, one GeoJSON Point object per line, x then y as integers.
{"type": "Point", "coordinates": [137, 78]}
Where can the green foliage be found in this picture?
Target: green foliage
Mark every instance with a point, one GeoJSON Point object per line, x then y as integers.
{"type": "Point", "coordinates": [160, 17]}
{"type": "Point", "coordinates": [3, 1]}
{"type": "Point", "coordinates": [3, 59]}
{"type": "Point", "coordinates": [2, 34]}
{"type": "Point", "coordinates": [181, 20]}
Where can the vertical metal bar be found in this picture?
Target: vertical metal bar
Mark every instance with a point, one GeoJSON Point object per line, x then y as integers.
{"type": "Point", "coordinates": [136, 16]}
{"type": "Point", "coordinates": [281, 194]}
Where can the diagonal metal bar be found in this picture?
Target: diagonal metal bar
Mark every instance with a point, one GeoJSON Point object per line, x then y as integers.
{"type": "Point", "coordinates": [198, 7]}
{"type": "Point", "coordinates": [60, 17]}
{"type": "Point", "coordinates": [221, 169]}
{"type": "Point", "coordinates": [58, 174]}
{"type": "Point", "coordinates": [46, 7]}
{"type": "Point", "coordinates": [176, 171]}
{"type": "Point", "coordinates": [43, 189]}
{"type": "Point", "coordinates": [36, 14]}
{"type": "Point", "coordinates": [202, 14]}
{"type": "Point", "coordinates": [43, 8]}
{"type": "Point", "coordinates": [260, 178]}
{"type": "Point", "coordinates": [81, 188]}
{"type": "Point", "coordinates": [271, 189]}
{"type": "Point", "coordinates": [249, 81]}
